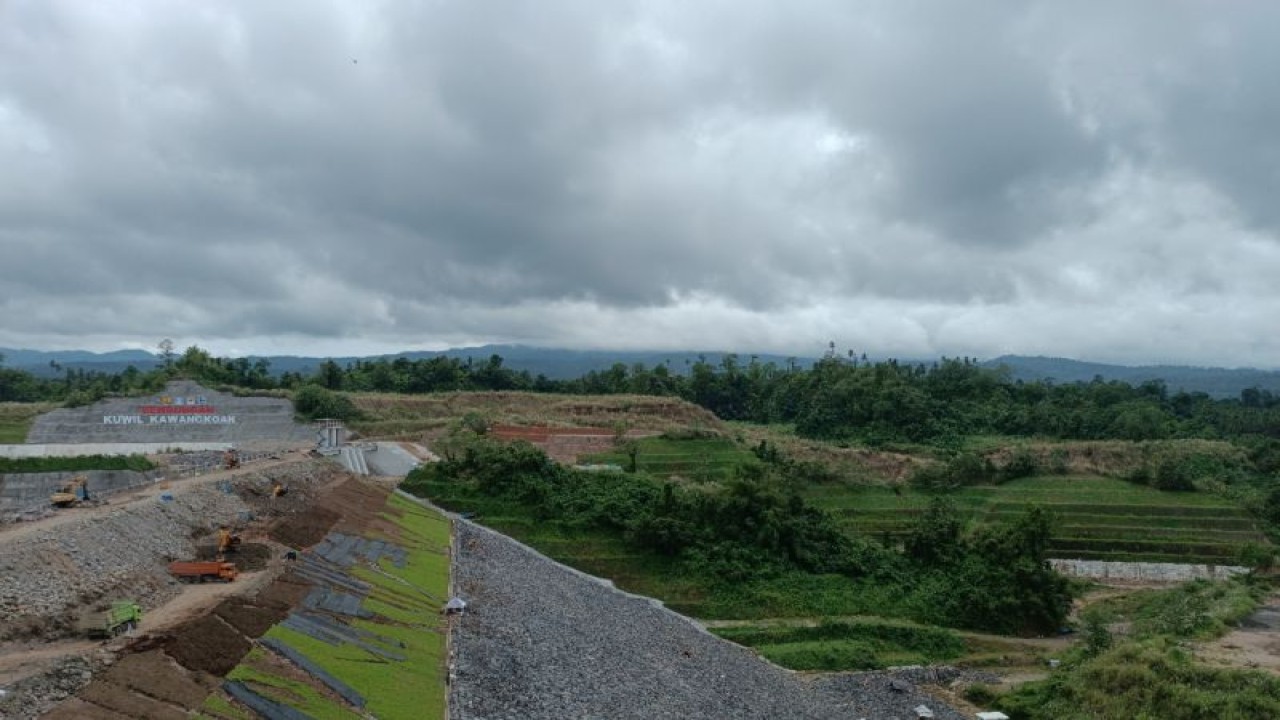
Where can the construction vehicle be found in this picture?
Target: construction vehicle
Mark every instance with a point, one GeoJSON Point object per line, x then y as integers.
{"type": "Point", "coordinates": [74, 492]}
{"type": "Point", "coordinates": [227, 541]}
{"type": "Point", "coordinates": [230, 459]}
{"type": "Point", "coordinates": [202, 571]}
{"type": "Point", "coordinates": [278, 490]}
{"type": "Point", "coordinates": [121, 617]}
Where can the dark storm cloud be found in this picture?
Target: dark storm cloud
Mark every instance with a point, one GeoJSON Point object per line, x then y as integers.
{"type": "Point", "coordinates": [716, 172]}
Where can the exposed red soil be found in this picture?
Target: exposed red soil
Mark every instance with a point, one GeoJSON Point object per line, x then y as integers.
{"type": "Point", "coordinates": [286, 592]}
{"type": "Point", "coordinates": [303, 531]}
{"type": "Point", "coordinates": [250, 619]}
{"type": "Point", "coordinates": [124, 702]}
{"type": "Point", "coordinates": [207, 644]}
{"type": "Point", "coordinates": [78, 709]}
{"type": "Point", "coordinates": [156, 675]}
{"type": "Point", "coordinates": [362, 506]}
{"type": "Point", "coordinates": [147, 685]}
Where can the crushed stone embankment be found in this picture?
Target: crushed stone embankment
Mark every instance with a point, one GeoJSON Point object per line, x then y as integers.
{"type": "Point", "coordinates": [541, 640]}
{"type": "Point", "coordinates": [50, 572]}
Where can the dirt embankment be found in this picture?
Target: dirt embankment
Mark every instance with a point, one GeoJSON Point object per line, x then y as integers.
{"type": "Point", "coordinates": [411, 415]}
{"type": "Point", "coordinates": [168, 672]}
{"type": "Point", "coordinates": [565, 444]}
{"type": "Point", "coordinates": [51, 571]}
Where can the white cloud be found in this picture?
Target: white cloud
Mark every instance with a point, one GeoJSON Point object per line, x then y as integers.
{"type": "Point", "coordinates": [1077, 180]}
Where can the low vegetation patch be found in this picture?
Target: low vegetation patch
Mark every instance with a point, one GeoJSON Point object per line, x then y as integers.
{"type": "Point", "coordinates": [848, 645]}
{"type": "Point", "coordinates": [1149, 672]}
{"type": "Point", "coordinates": [1148, 678]}
{"type": "Point", "coordinates": [699, 460]}
{"type": "Point", "coordinates": [82, 463]}
{"type": "Point", "coordinates": [16, 419]}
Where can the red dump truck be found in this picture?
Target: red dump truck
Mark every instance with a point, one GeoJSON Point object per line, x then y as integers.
{"type": "Point", "coordinates": [193, 572]}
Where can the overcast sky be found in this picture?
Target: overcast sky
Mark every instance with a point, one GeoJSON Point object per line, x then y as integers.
{"type": "Point", "coordinates": [1094, 180]}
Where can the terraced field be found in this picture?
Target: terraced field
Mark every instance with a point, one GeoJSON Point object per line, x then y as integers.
{"type": "Point", "coordinates": [1098, 518]}
{"type": "Point", "coordinates": [701, 460]}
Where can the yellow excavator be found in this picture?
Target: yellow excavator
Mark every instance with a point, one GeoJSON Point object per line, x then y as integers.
{"type": "Point", "coordinates": [74, 492]}
{"type": "Point", "coordinates": [227, 541]}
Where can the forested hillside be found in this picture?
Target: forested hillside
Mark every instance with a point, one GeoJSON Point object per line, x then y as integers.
{"type": "Point", "coordinates": [839, 399]}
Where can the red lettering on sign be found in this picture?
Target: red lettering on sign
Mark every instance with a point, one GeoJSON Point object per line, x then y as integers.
{"type": "Point", "coordinates": [176, 410]}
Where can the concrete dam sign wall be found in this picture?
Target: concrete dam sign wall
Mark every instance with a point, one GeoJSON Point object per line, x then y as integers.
{"type": "Point", "coordinates": [184, 411]}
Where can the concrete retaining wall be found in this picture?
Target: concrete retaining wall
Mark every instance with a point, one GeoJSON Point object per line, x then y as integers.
{"type": "Point", "coordinates": [184, 412]}
{"type": "Point", "coordinates": [1144, 572]}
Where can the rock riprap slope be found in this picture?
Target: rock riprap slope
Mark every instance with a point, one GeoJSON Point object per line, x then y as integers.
{"type": "Point", "coordinates": [540, 640]}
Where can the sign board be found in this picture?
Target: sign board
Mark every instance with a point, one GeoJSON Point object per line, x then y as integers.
{"type": "Point", "coordinates": [173, 410]}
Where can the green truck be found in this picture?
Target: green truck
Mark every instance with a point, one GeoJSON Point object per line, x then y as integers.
{"type": "Point", "coordinates": [121, 617]}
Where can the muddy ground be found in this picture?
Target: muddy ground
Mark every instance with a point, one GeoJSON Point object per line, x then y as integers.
{"type": "Point", "coordinates": [1254, 644]}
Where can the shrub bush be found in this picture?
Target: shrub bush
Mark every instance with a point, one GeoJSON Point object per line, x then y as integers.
{"type": "Point", "coordinates": [1174, 476]}
{"type": "Point", "coordinates": [314, 403]}
{"type": "Point", "coordinates": [1022, 463]}
{"type": "Point", "coordinates": [137, 463]}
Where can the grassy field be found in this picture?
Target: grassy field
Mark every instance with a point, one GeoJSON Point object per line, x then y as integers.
{"type": "Point", "coordinates": [702, 460]}
{"type": "Point", "coordinates": [861, 644]}
{"type": "Point", "coordinates": [16, 419]}
{"type": "Point", "coordinates": [1097, 517]}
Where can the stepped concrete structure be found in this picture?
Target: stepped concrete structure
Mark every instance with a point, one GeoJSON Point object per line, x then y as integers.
{"type": "Point", "coordinates": [185, 412]}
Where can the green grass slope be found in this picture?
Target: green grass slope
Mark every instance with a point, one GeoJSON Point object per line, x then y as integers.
{"type": "Point", "coordinates": [406, 603]}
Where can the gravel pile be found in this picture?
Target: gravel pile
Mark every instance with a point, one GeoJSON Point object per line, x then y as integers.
{"type": "Point", "coordinates": [36, 695]}
{"type": "Point", "coordinates": [540, 640]}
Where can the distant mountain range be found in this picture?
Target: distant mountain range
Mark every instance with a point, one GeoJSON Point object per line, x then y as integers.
{"type": "Point", "coordinates": [567, 364]}
{"type": "Point", "coordinates": [1217, 382]}
{"type": "Point", "coordinates": [553, 363]}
